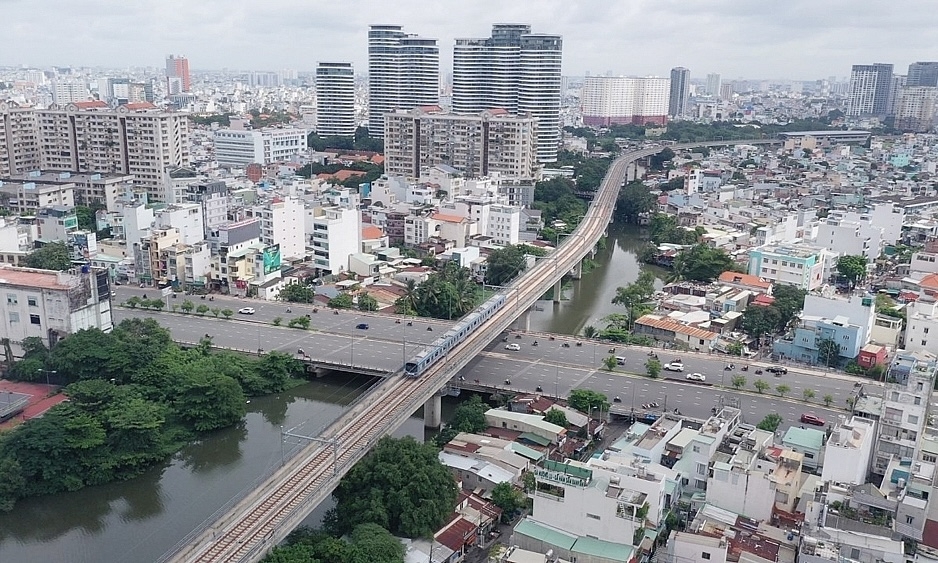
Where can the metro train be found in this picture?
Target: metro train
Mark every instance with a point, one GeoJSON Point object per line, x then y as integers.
{"type": "Point", "coordinates": [442, 345]}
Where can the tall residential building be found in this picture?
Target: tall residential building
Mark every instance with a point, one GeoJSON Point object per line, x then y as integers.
{"type": "Point", "coordinates": [241, 147]}
{"type": "Point", "coordinates": [870, 90]}
{"type": "Point", "coordinates": [138, 139]}
{"type": "Point", "coordinates": [283, 223]}
{"type": "Point", "coordinates": [177, 67]}
{"type": "Point", "coordinates": [19, 140]}
{"type": "Point", "coordinates": [713, 84]}
{"type": "Point", "coordinates": [915, 108]}
{"type": "Point", "coordinates": [613, 100]}
{"type": "Point", "coordinates": [69, 90]}
{"type": "Point", "coordinates": [677, 101]}
{"type": "Point", "coordinates": [335, 100]}
{"type": "Point", "coordinates": [514, 70]}
{"type": "Point", "coordinates": [493, 141]}
{"type": "Point", "coordinates": [922, 74]}
{"type": "Point", "coordinates": [403, 73]}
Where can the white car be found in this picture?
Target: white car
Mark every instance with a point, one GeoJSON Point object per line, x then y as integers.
{"type": "Point", "coordinates": [695, 377]}
{"type": "Point", "coordinates": [674, 366]}
{"type": "Point", "coordinates": [512, 346]}
{"type": "Point", "coordinates": [246, 311]}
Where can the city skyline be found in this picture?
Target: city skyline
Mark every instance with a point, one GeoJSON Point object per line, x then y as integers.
{"type": "Point", "coordinates": [725, 37]}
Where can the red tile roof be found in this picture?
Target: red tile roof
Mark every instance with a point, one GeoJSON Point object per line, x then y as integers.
{"type": "Point", "coordinates": [370, 232]}
{"type": "Point", "coordinates": [140, 105]}
{"type": "Point", "coordinates": [341, 175]}
{"type": "Point", "coordinates": [674, 326]}
{"type": "Point", "coordinates": [91, 104]}
{"type": "Point", "coordinates": [744, 279]}
{"type": "Point", "coordinates": [458, 534]}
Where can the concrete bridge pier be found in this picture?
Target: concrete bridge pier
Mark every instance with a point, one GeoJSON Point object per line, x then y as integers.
{"type": "Point", "coordinates": [523, 322]}
{"type": "Point", "coordinates": [577, 272]}
{"type": "Point", "coordinates": [558, 291]}
{"type": "Point", "coordinates": [433, 412]}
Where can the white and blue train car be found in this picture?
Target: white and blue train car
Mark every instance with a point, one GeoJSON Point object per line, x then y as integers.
{"type": "Point", "coordinates": [460, 331]}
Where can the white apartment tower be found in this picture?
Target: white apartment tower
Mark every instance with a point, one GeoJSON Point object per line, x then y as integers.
{"type": "Point", "coordinates": [870, 90]}
{"type": "Point", "coordinates": [403, 73]}
{"type": "Point", "coordinates": [618, 100]}
{"type": "Point", "coordinates": [335, 100]}
{"type": "Point", "coordinates": [515, 70]}
{"type": "Point", "coordinates": [19, 140]}
{"type": "Point", "coordinates": [241, 147]}
{"type": "Point", "coordinates": [283, 223]}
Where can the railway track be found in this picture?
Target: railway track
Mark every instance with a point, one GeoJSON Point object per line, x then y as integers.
{"type": "Point", "coordinates": [255, 524]}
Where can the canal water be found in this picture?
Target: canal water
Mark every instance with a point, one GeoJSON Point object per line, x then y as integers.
{"type": "Point", "coordinates": [586, 301]}
{"type": "Point", "coordinates": [138, 520]}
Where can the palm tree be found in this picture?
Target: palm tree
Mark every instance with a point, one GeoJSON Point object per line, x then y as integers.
{"type": "Point", "coordinates": [409, 299]}
{"type": "Point", "coordinates": [466, 292]}
{"type": "Point", "coordinates": [589, 331]}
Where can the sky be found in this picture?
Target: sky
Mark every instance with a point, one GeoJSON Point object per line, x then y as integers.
{"type": "Point", "coordinates": [795, 39]}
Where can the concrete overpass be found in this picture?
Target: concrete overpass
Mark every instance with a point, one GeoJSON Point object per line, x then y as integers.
{"type": "Point", "coordinates": [264, 517]}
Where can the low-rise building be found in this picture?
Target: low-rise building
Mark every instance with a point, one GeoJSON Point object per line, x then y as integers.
{"type": "Point", "coordinates": [667, 330]}
{"type": "Point", "coordinates": [808, 442]}
{"type": "Point", "coordinates": [526, 423]}
{"type": "Point", "coordinates": [848, 452]}
{"type": "Point", "coordinates": [802, 266]}
{"type": "Point", "coordinates": [50, 305]}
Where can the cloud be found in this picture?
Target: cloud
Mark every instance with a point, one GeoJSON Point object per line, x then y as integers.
{"type": "Point", "coordinates": [798, 39]}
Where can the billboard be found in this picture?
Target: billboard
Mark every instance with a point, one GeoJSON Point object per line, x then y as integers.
{"type": "Point", "coordinates": [271, 259]}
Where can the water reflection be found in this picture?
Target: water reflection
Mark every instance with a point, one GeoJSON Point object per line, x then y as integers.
{"type": "Point", "coordinates": [215, 451]}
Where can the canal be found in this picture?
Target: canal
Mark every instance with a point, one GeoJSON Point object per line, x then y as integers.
{"type": "Point", "coordinates": [586, 301]}
{"type": "Point", "coordinates": [138, 520]}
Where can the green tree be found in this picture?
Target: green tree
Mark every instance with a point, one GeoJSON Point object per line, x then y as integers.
{"type": "Point", "coordinates": [828, 352]}
{"type": "Point", "coordinates": [341, 301]}
{"type": "Point", "coordinates": [760, 385]}
{"type": "Point", "coordinates": [508, 498]}
{"type": "Point", "coordinates": [789, 300]}
{"type": "Point", "coordinates": [86, 218]}
{"type": "Point", "coordinates": [633, 202]}
{"type": "Point", "coordinates": [557, 201]}
{"type": "Point", "coordinates": [367, 303]}
{"type": "Point", "coordinates": [277, 321]}
{"type": "Point", "coordinates": [469, 416]}
{"type": "Point", "coordinates": [400, 485]}
{"type": "Point", "coordinates": [583, 399]}
{"type": "Point", "coordinates": [157, 304]}
{"type": "Point", "coordinates": [51, 256]}
{"type": "Point", "coordinates": [660, 160]}
{"type": "Point", "coordinates": [828, 399]}
{"type": "Point", "coordinates": [12, 483]}
{"type": "Point", "coordinates": [636, 296]}
{"type": "Point", "coordinates": [370, 543]}
{"type": "Point", "coordinates": [505, 264]}
{"type": "Point", "coordinates": [782, 389]}
{"type": "Point", "coordinates": [133, 302]}
{"type": "Point", "coordinates": [738, 381]}
{"type": "Point", "coordinates": [215, 312]}
{"type": "Point", "coordinates": [757, 320]}
{"type": "Point", "coordinates": [83, 355]}
{"type": "Point", "coordinates": [556, 416]}
{"type": "Point", "coordinates": [187, 306]}
{"type": "Point", "coordinates": [852, 268]}
{"type": "Point", "coordinates": [227, 313]}
{"type": "Point", "coordinates": [770, 423]}
{"type": "Point", "coordinates": [201, 309]}
{"type": "Point", "coordinates": [735, 348]}
{"type": "Point", "coordinates": [653, 368]}
{"type": "Point", "coordinates": [406, 304]}
{"type": "Point", "coordinates": [701, 263]}
{"type": "Point", "coordinates": [299, 322]}
{"type": "Point", "coordinates": [589, 331]}
{"type": "Point", "coordinates": [609, 363]}
{"type": "Point", "coordinates": [297, 293]}
{"type": "Point", "coordinates": [207, 400]}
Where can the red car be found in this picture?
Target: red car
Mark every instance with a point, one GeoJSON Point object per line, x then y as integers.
{"type": "Point", "coordinates": [814, 419]}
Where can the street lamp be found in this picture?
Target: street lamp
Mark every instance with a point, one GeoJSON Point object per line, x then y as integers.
{"type": "Point", "coordinates": [47, 372]}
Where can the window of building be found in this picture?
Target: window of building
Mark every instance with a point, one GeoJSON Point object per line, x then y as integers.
{"type": "Point", "coordinates": [705, 555]}
{"type": "Point", "coordinates": [32, 301]}
{"type": "Point", "coordinates": [593, 516]}
{"type": "Point", "coordinates": [909, 519]}
{"type": "Point", "coordinates": [918, 400]}
{"type": "Point", "coordinates": [11, 298]}
{"type": "Point", "coordinates": [925, 330]}
{"type": "Point", "coordinates": [34, 319]}
{"type": "Point", "coordinates": [14, 317]}
{"type": "Point", "coordinates": [696, 449]}
{"type": "Point", "coordinates": [913, 419]}
{"type": "Point", "coordinates": [808, 455]}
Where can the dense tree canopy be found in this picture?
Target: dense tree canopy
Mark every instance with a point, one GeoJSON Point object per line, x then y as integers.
{"type": "Point", "coordinates": [298, 293]}
{"type": "Point", "coordinates": [556, 200]}
{"type": "Point", "coordinates": [852, 268]}
{"type": "Point", "coordinates": [583, 399]}
{"type": "Point", "coordinates": [400, 485]}
{"type": "Point", "coordinates": [701, 263]}
{"type": "Point", "coordinates": [505, 264]}
{"type": "Point", "coordinates": [634, 201]}
{"type": "Point", "coordinates": [636, 296]}
{"type": "Point", "coordinates": [51, 256]}
{"type": "Point", "coordinates": [447, 294]}
{"type": "Point", "coordinates": [367, 543]}
{"type": "Point", "coordinates": [469, 416]}
{"type": "Point", "coordinates": [663, 228]}
{"type": "Point", "coordinates": [135, 397]}
{"type": "Point", "coordinates": [770, 422]}
{"type": "Point", "coordinates": [757, 321]}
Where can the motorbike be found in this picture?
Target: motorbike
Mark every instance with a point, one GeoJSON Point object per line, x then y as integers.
{"type": "Point", "coordinates": [551, 337]}
{"type": "Point", "coordinates": [566, 344]}
{"type": "Point", "coordinates": [507, 382]}
{"type": "Point", "coordinates": [174, 296]}
{"type": "Point", "coordinates": [336, 312]}
{"type": "Point", "coordinates": [612, 350]}
{"type": "Point", "coordinates": [758, 372]}
{"type": "Point", "coordinates": [212, 298]}
{"type": "Point", "coordinates": [648, 406]}
{"type": "Point", "coordinates": [289, 310]}
{"type": "Point", "coordinates": [728, 368]}
{"type": "Point", "coordinates": [535, 343]}
{"type": "Point", "coordinates": [504, 339]}
{"type": "Point", "coordinates": [300, 351]}
{"type": "Point", "coordinates": [397, 321]}
{"type": "Point", "coordinates": [202, 298]}
{"type": "Point", "coordinates": [517, 336]}
{"type": "Point", "coordinates": [410, 323]}
{"type": "Point", "coordinates": [745, 368]}
{"type": "Point", "coordinates": [315, 310]}
{"type": "Point", "coordinates": [429, 329]}
{"type": "Point", "coordinates": [538, 389]}
{"type": "Point", "coordinates": [579, 343]}
{"type": "Point", "coordinates": [616, 399]}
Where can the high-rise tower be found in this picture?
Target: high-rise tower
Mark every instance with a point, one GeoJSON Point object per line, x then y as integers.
{"type": "Point", "coordinates": [335, 100]}
{"type": "Point", "coordinates": [177, 75]}
{"type": "Point", "coordinates": [515, 70]}
{"type": "Point", "coordinates": [871, 90]}
{"type": "Point", "coordinates": [677, 101]}
{"type": "Point", "coordinates": [403, 73]}
{"type": "Point", "coordinates": [922, 74]}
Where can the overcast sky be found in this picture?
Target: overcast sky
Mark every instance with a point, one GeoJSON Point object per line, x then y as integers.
{"type": "Point", "coordinates": [797, 39]}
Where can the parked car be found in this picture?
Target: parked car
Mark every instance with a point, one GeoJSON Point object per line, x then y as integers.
{"type": "Point", "coordinates": [814, 419]}
{"type": "Point", "coordinates": [620, 361]}
{"type": "Point", "coordinates": [246, 311]}
{"type": "Point", "coordinates": [777, 370]}
{"type": "Point", "coordinates": [696, 377]}
{"type": "Point", "coordinates": [512, 346]}
{"type": "Point", "coordinates": [674, 366]}
{"type": "Point", "coordinates": [362, 326]}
